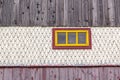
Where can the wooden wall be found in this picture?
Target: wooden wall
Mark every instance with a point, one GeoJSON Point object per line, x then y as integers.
{"type": "Point", "coordinates": [99, 73]}
{"type": "Point", "coordinates": [60, 12]}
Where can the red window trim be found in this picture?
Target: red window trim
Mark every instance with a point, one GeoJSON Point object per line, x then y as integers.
{"type": "Point", "coordinates": [71, 47]}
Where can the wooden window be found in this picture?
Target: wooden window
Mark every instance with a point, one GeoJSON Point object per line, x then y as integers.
{"type": "Point", "coordinates": [71, 38]}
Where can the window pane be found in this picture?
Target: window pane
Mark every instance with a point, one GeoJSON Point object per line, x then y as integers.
{"type": "Point", "coordinates": [81, 37]}
{"type": "Point", "coordinates": [61, 38]}
{"type": "Point", "coordinates": [71, 38]}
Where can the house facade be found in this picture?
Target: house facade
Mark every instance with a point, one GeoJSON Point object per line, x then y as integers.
{"type": "Point", "coordinates": [59, 40]}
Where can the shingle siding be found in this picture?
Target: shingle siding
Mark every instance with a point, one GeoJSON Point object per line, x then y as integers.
{"type": "Point", "coordinates": [33, 46]}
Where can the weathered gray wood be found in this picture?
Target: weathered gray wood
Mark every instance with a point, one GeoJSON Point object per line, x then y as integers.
{"type": "Point", "coordinates": [47, 73]}
{"type": "Point", "coordinates": [95, 13]}
{"type": "Point", "coordinates": [97, 73]}
{"type": "Point", "coordinates": [80, 13]}
{"type": "Point", "coordinates": [63, 74]}
{"type": "Point", "coordinates": [75, 74]}
{"type": "Point", "coordinates": [33, 12]}
{"type": "Point", "coordinates": [100, 12]}
{"type": "Point", "coordinates": [7, 74]}
{"type": "Point", "coordinates": [26, 74]}
{"type": "Point", "coordinates": [111, 12]}
{"type": "Point", "coordinates": [86, 13]}
{"type": "Point", "coordinates": [116, 5]}
{"type": "Point", "coordinates": [1, 74]}
{"type": "Point", "coordinates": [84, 73]}
{"type": "Point", "coordinates": [60, 13]}
{"type": "Point", "coordinates": [101, 73]}
{"type": "Point", "coordinates": [16, 73]}
{"type": "Point", "coordinates": [7, 12]}
{"type": "Point", "coordinates": [111, 74]}
{"type": "Point", "coordinates": [116, 73]}
{"type": "Point", "coordinates": [90, 13]}
{"type": "Point", "coordinates": [105, 13]}
{"type": "Point", "coordinates": [70, 74]}
{"type": "Point", "coordinates": [25, 12]}
{"type": "Point", "coordinates": [15, 13]}
{"type": "Point", "coordinates": [79, 72]}
{"type": "Point", "coordinates": [44, 13]}
{"type": "Point", "coordinates": [70, 15]}
{"type": "Point", "coordinates": [76, 13]}
{"type": "Point", "coordinates": [36, 74]}
{"type": "Point", "coordinates": [53, 74]}
{"type": "Point", "coordinates": [65, 12]}
{"type": "Point", "coordinates": [105, 73]}
{"type": "Point", "coordinates": [1, 7]}
{"type": "Point", "coordinates": [51, 12]}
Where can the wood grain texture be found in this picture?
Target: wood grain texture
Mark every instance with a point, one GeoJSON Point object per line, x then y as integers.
{"type": "Point", "coordinates": [72, 13]}
{"type": "Point", "coordinates": [1, 74]}
{"type": "Point", "coordinates": [7, 74]}
{"type": "Point", "coordinates": [97, 73]}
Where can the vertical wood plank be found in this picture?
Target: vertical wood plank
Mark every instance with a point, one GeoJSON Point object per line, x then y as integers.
{"type": "Point", "coordinates": [90, 74]}
{"type": "Point", "coordinates": [36, 74]}
{"type": "Point", "coordinates": [116, 4]}
{"type": "Point", "coordinates": [118, 12]}
{"type": "Point", "coordinates": [75, 74]}
{"type": "Point", "coordinates": [111, 12]}
{"type": "Point", "coordinates": [101, 73]}
{"type": "Point", "coordinates": [70, 74]}
{"type": "Point", "coordinates": [80, 13]}
{"type": "Point", "coordinates": [15, 13]}
{"type": "Point", "coordinates": [66, 12]}
{"type": "Point", "coordinates": [39, 12]}
{"type": "Point", "coordinates": [44, 13]}
{"type": "Point", "coordinates": [25, 74]}
{"type": "Point", "coordinates": [79, 74]}
{"type": "Point", "coordinates": [59, 12]}
{"type": "Point", "coordinates": [16, 74]}
{"type": "Point", "coordinates": [116, 73]}
{"type": "Point", "coordinates": [36, 12]}
{"type": "Point", "coordinates": [54, 74]}
{"type": "Point", "coordinates": [70, 12]}
{"type": "Point", "coordinates": [85, 12]}
{"type": "Point", "coordinates": [33, 11]}
{"type": "Point", "coordinates": [95, 13]}
{"type": "Point", "coordinates": [105, 73]}
{"type": "Point", "coordinates": [105, 13]}
{"type": "Point", "coordinates": [47, 73]}
{"type": "Point", "coordinates": [100, 12]}
{"type": "Point", "coordinates": [7, 11]}
{"type": "Point", "coordinates": [90, 13]}
{"type": "Point", "coordinates": [25, 12]}
{"type": "Point", "coordinates": [63, 74]}
{"type": "Point", "coordinates": [76, 13]}
{"type": "Point", "coordinates": [84, 73]}
{"type": "Point", "coordinates": [1, 8]}
{"type": "Point", "coordinates": [1, 74]}
{"type": "Point", "coordinates": [7, 74]}
{"type": "Point", "coordinates": [111, 74]}
{"type": "Point", "coordinates": [51, 12]}
{"type": "Point", "coordinates": [95, 74]}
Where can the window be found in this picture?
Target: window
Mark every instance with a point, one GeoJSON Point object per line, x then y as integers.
{"type": "Point", "coordinates": [71, 38]}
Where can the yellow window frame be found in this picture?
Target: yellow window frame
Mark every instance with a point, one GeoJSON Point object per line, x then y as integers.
{"type": "Point", "coordinates": [69, 31]}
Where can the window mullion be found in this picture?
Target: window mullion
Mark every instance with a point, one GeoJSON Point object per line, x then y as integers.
{"type": "Point", "coordinates": [76, 37]}
{"type": "Point", "coordinates": [66, 37]}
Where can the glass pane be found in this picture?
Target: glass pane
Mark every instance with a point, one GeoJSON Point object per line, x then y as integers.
{"type": "Point", "coordinates": [71, 38]}
{"type": "Point", "coordinates": [61, 38]}
{"type": "Point", "coordinates": [81, 37]}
